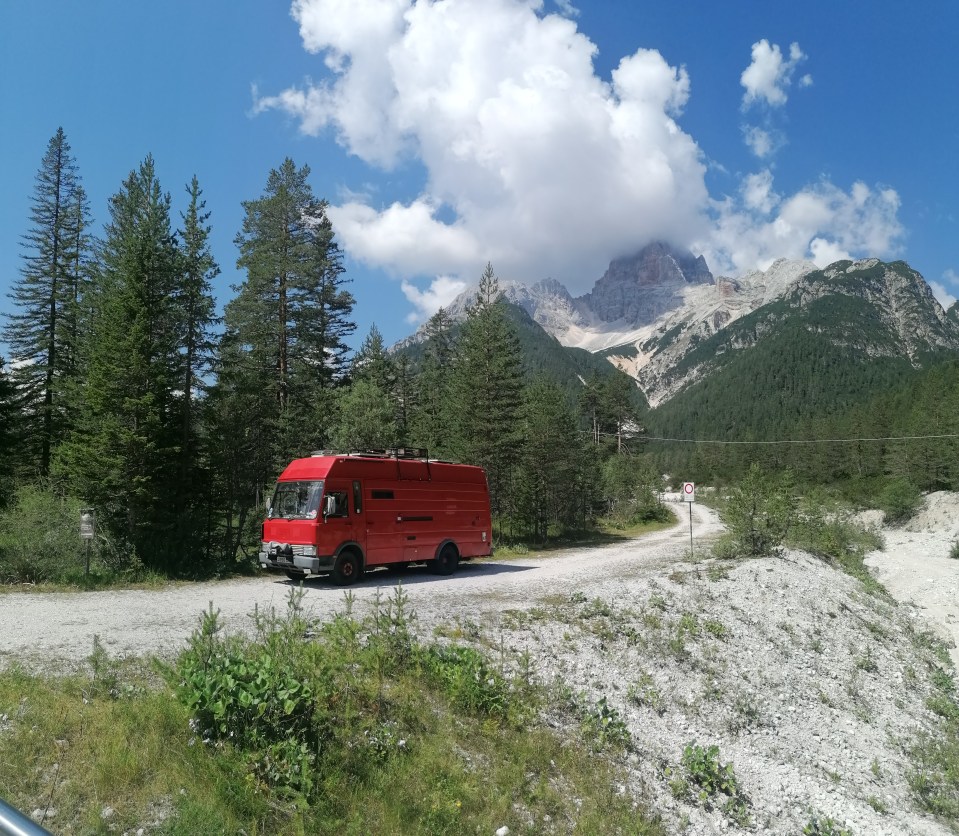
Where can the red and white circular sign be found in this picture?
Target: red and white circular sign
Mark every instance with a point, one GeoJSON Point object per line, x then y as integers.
{"type": "Point", "coordinates": [689, 491]}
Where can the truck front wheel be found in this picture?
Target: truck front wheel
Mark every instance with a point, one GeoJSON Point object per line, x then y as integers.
{"type": "Point", "coordinates": [346, 569]}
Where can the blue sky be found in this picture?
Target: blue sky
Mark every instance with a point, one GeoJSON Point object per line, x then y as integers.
{"type": "Point", "coordinates": [546, 137]}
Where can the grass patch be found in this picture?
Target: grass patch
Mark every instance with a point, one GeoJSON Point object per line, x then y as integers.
{"type": "Point", "coordinates": [349, 726]}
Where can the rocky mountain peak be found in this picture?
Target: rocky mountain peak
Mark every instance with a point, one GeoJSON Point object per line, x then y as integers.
{"type": "Point", "coordinates": [637, 289]}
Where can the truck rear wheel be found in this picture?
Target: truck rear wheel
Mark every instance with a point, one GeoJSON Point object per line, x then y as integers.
{"type": "Point", "coordinates": [446, 561]}
{"type": "Point", "coordinates": [346, 569]}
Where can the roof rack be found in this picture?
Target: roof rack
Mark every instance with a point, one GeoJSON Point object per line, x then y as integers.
{"type": "Point", "coordinates": [394, 453]}
{"type": "Point", "coordinates": [386, 453]}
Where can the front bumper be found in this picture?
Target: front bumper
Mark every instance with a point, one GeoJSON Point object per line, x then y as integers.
{"type": "Point", "coordinates": [284, 556]}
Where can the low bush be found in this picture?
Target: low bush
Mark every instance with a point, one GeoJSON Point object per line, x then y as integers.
{"type": "Point", "coordinates": [899, 501]}
{"type": "Point", "coordinates": [758, 514]}
{"type": "Point", "coordinates": [40, 539]}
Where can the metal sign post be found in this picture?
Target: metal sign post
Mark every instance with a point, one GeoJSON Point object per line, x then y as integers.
{"type": "Point", "coordinates": [689, 497]}
{"type": "Point", "coordinates": [88, 530]}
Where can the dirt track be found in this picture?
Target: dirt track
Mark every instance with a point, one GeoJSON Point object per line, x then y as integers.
{"type": "Point", "coordinates": [43, 628]}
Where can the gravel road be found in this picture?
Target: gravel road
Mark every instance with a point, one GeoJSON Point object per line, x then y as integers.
{"type": "Point", "coordinates": [53, 629]}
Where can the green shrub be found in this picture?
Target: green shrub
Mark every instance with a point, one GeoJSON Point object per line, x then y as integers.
{"type": "Point", "coordinates": [954, 551]}
{"type": "Point", "coordinates": [899, 501]}
{"type": "Point", "coordinates": [241, 692]}
{"type": "Point", "coordinates": [40, 539]}
{"type": "Point", "coordinates": [467, 678]}
{"type": "Point", "coordinates": [759, 512]}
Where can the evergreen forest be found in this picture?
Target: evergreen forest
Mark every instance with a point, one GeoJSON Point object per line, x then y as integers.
{"type": "Point", "coordinates": [126, 393]}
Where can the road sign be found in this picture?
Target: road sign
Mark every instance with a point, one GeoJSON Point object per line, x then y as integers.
{"type": "Point", "coordinates": [689, 491]}
{"type": "Point", "coordinates": [88, 524]}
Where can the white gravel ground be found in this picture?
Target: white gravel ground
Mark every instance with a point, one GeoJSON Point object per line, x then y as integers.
{"type": "Point", "coordinates": [811, 688]}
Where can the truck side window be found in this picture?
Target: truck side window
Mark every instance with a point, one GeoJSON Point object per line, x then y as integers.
{"type": "Point", "coordinates": [336, 504]}
{"type": "Point", "coordinates": [357, 498]}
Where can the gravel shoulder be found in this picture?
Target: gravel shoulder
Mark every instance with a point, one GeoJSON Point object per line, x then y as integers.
{"type": "Point", "coordinates": [916, 568]}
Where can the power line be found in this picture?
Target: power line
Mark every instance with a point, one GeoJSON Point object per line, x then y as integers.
{"type": "Point", "coordinates": [782, 441]}
{"type": "Point", "coordinates": [802, 440]}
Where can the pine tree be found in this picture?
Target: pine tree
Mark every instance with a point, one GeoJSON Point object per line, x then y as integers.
{"type": "Point", "coordinates": [404, 399]}
{"type": "Point", "coordinates": [372, 363]}
{"type": "Point", "coordinates": [486, 392]}
{"type": "Point", "coordinates": [367, 418]}
{"type": "Point", "coordinates": [550, 461]}
{"type": "Point", "coordinates": [9, 426]}
{"type": "Point", "coordinates": [122, 455]}
{"type": "Point", "coordinates": [431, 414]}
{"type": "Point", "coordinates": [196, 314]}
{"type": "Point", "coordinates": [42, 332]}
{"type": "Point", "coordinates": [285, 329]}
{"type": "Point", "coordinates": [283, 352]}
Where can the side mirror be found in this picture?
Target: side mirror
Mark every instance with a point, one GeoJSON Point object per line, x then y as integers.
{"type": "Point", "coordinates": [329, 505]}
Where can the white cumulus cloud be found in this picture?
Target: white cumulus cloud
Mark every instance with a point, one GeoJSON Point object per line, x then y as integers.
{"type": "Point", "coordinates": [759, 140]}
{"type": "Point", "coordinates": [544, 168]}
{"type": "Point", "coordinates": [821, 223]}
{"type": "Point", "coordinates": [944, 290]}
{"type": "Point", "coordinates": [769, 74]}
{"type": "Point", "coordinates": [441, 292]}
{"type": "Point", "coordinates": [532, 161]}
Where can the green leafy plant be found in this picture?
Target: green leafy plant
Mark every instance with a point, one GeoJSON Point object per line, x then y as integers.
{"type": "Point", "coordinates": [604, 728]}
{"type": "Point", "coordinates": [824, 826]}
{"type": "Point", "coordinates": [711, 779]}
{"type": "Point", "coordinates": [466, 676]}
{"type": "Point", "coordinates": [245, 694]}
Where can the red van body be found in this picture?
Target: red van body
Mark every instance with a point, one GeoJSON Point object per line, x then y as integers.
{"type": "Point", "coordinates": [344, 513]}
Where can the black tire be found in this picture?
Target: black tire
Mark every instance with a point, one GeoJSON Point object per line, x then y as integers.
{"type": "Point", "coordinates": [446, 561]}
{"type": "Point", "coordinates": [295, 574]}
{"type": "Point", "coordinates": [347, 568]}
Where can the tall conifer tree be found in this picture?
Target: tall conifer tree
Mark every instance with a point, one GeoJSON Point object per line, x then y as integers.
{"type": "Point", "coordinates": [548, 483]}
{"type": "Point", "coordinates": [486, 391]}
{"type": "Point", "coordinates": [9, 426]}
{"type": "Point", "coordinates": [42, 330]}
{"type": "Point", "coordinates": [122, 456]}
{"type": "Point", "coordinates": [196, 308]}
{"type": "Point", "coordinates": [432, 407]}
{"type": "Point", "coordinates": [283, 350]}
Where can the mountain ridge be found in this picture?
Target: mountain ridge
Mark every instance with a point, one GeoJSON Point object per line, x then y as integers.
{"type": "Point", "coordinates": [656, 315]}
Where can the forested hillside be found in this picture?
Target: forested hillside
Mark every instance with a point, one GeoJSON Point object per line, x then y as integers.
{"type": "Point", "coordinates": [848, 354]}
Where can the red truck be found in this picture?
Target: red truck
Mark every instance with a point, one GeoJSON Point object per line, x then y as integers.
{"type": "Point", "coordinates": [342, 514]}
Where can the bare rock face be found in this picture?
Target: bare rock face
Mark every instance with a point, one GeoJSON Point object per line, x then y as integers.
{"type": "Point", "coordinates": [638, 289]}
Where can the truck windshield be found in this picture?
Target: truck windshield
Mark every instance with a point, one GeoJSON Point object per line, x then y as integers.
{"type": "Point", "coordinates": [296, 500]}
